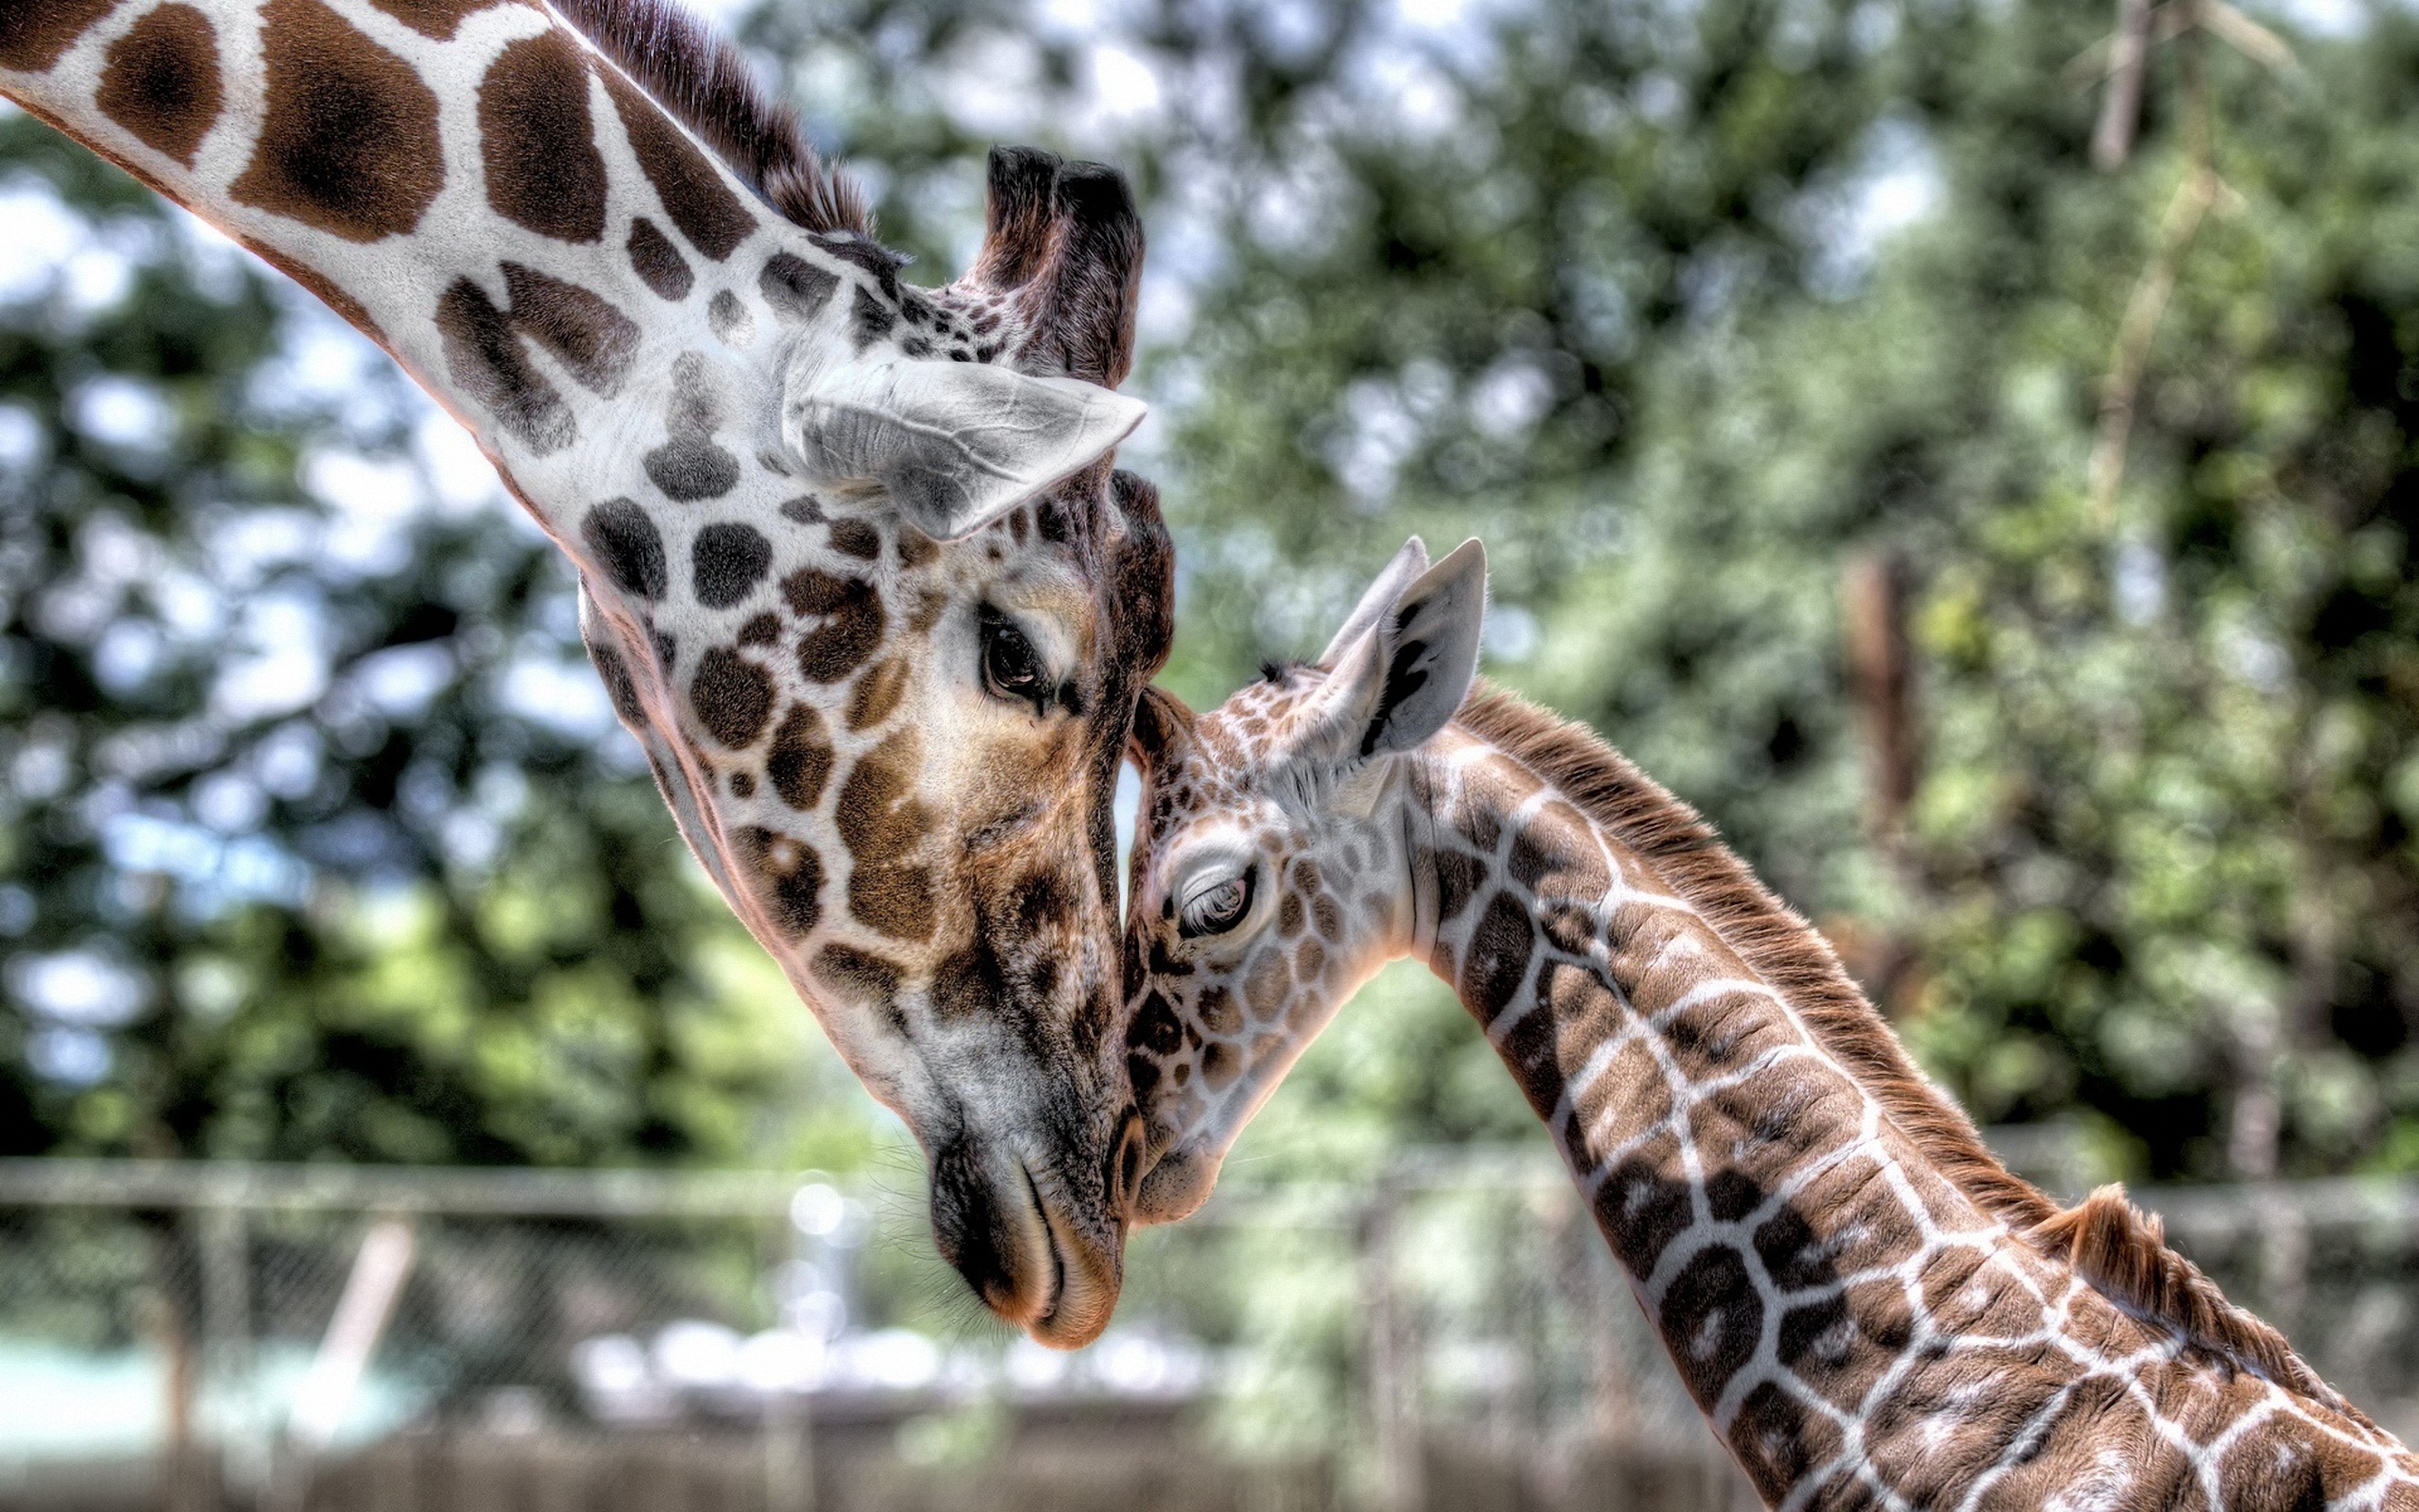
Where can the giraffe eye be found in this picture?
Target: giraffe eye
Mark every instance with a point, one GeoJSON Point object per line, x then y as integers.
{"type": "Point", "coordinates": [1216, 908]}
{"type": "Point", "coordinates": [1010, 668]}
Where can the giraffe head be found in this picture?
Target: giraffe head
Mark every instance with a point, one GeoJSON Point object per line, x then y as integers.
{"type": "Point", "coordinates": [887, 680]}
{"type": "Point", "coordinates": [1272, 870]}
{"type": "Point", "coordinates": [897, 695]}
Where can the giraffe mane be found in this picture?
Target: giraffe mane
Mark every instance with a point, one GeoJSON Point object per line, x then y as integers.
{"type": "Point", "coordinates": [2115, 1247]}
{"type": "Point", "coordinates": [705, 83]}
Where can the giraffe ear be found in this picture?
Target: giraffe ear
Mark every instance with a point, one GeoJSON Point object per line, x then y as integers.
{"type": "Point", "coordinates": [955, 445]}
{"type": "Point", "coordinates": [1400, 574]}
{"type": "Point", "coordinates": [1404, 679]}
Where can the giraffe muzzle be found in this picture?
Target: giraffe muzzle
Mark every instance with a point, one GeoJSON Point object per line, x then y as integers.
{"type": "Point", "coordinates": [1023, 1249]}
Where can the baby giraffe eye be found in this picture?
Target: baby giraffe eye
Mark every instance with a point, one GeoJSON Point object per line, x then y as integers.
{"type": "Point", "coordinates": [1010, 668]}
{"type": "Point", "coordinates": [1217, 908]}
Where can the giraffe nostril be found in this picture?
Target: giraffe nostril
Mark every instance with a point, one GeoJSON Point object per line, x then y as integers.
{"type": "Point", "coordinates": [1127, 1166]}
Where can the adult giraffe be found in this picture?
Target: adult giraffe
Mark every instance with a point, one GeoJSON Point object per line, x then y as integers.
{"type": "Point", "coordinates": [1867, 1306]}
{"type": "Point", "coordinates": [854, 566]}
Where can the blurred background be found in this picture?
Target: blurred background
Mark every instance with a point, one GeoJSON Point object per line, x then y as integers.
{"type": "Point", "coordinates": [1967, 447]}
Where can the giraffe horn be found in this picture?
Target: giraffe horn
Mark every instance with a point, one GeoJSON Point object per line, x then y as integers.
{"type": "Point", "coordinates": [1064, 240]}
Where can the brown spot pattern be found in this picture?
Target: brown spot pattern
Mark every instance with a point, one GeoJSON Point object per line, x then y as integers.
{"type": "Point", "coordinates": [690, 187]}
{"type": "Point", "coordinates": [538, 143]}
{"type": "Point", "coordinates": [881, 821]}
{"type": "Point", "coordinates": [658, 263]}
{"type": "Point", "coordinates": [348, 141]}
{"type": "Point", "coordinates": [851, 628]}
{"type": "Point", "coordinates": [733, 696]}
{"type": "Point", "coordinates": [433, 17]}
{"type": "Point", "coordinates": [789, 878]}
{"type": "Point", "coordinates": [800, 762]}
{"type": "Point", "coordinates": [794, 288]}
{"type": "Point", "coordinates": [161, 82]}
{"type": "Point", "coordinates": [877, 693]}
{"type": "Point", "coordinates": [483, 351]}
{"type": "Point", "coordinates": [628, 547]}
{"type": "Point", "coordinates": [32, 36]}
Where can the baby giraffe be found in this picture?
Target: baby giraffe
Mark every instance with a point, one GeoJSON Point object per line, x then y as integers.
{"type": "Point", "coordinates": [1870, 1311]}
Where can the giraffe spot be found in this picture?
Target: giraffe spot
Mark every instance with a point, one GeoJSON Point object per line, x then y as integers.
{"type": "Point", "coordinates": [1267, 987]}
{"type": "Point", "coordinates": [968, 983]}
{"type": "Point", "coordinates": [877, 693]}
{"type": "Point", "coordinates": [1290, 916]}
{"type": "Point", "coordinates": [1309, 962]}
{"type": "Point", "coordinates": [1327, 919]}
{"type": "Point", "coordinates": [1711, 1319]}
{"type": "Point", "coordinates": [1532, 1046]}
{"type": "Point", "coordinates": [1141, 1076]}
{"type": "Point", "coordinates": [794, 288]}
{"type": "Point", "coordinates": [864, 253]}
{"type": "Point", "coordinates": [433, 17]}
{"type": "Point", "coordinates": [34, 37]}
{"type": "Point", "coordinates": [348, 139]}
{"type": "Point", "coordinates": [915, 549]}
{"type": "Point", "coordinates": [537, 141]}
{"type": "Point", "coordinates": [1459, 876]}
{"type": "Point", "coordinates": [690, 187]}
{"type": "Point", "coordinates": [929, 605]}
{"type": "Point", "coordinates": [690, 467]}
{"type": "Point", "coordinates": [1498, 960]}
{"type": "Point", "coordinates": [161, 82]}
{"type": "Point", "coordinates": [732, 325]}
{"type": "Point", "coordinates": [731, 696]}
{"type": "Point", "coordinates": [1778, 1441]}
{"type": "Point", "coordinates": [789, 878]}
{"type": "Point", "coordinates": [805, 510]}
{"type": "Point", "coordinates": [483, 353]}
{"type": "Point", "coordinates": [725, 563]}
{"type": "Point", "coordinates": [855, 538]}
{"type": "Point", "coordinates": [1639, 1208]}
{"type": "Point", "coordinates": [627, 546]}
{"type": "Point", "coordinates": [1569, 928]}
{"type": "Point", "coordinates": [1218, 1011]}
{"type": "Point", "coordinates": [1555, 854]}
{"type": "Point", "coordinates": [658, 263]}
{"type": "Point", "coordinates": [618, 684]}
{"type": "Point", "coordinates": [761, 630]}
{"type": "Point", "coordinates": [1220, 1063]}
{"type": "Point", "coordinates": [881, 821]}
{"type": "Point", "coordinates": [870, 320]}
{"type": "Point", "coordinates": [859, 976]}
{"type": "Point", "coordinates": [800, 760]}
{"type": "Point", "coordinates": [851, 628]}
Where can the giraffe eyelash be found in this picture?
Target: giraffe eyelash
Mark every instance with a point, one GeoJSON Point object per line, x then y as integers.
{"type": "Point", "coordinates": [1191, 924]}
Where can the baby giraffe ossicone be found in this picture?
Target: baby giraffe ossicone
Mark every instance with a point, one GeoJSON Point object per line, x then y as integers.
{"type": "Point", "coordinates": [1870, 1310]}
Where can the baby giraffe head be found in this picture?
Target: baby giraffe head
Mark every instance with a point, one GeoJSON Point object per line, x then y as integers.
{"type": "Point", "coordinates": [1272, 865]}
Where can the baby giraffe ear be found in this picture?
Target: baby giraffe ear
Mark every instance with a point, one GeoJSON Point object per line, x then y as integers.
{"type": "Point", "coordinates": [1400, 574]}
{"type": "Point", "coordinates": [956, 446]}
{"type": "Point", "coordinates": [1406, 675]}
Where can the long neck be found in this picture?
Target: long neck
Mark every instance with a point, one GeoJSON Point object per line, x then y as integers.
{"type": "Point", "coordinates": [1858, 1328]}
{"type": "Point", "coordinates": [468, 182]}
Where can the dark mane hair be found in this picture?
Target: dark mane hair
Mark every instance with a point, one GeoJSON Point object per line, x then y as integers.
{"type": "Point", "coordinates": [708, 86]}
{"type": "Point", "coordinates": [2114, 1246]}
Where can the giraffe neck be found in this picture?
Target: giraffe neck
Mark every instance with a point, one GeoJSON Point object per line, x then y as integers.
{"type": "Point", "coordinates": [1857, 1326]}
{"type": "Point", "coordinates": [476, 188]}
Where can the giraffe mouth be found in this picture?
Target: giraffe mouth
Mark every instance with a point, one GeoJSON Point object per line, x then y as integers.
{"type": "Point", "coordinates": [1078, 1283]}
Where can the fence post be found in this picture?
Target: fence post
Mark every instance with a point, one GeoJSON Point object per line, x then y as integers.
{"type": "Point", "coordinates": [1391, 1398]}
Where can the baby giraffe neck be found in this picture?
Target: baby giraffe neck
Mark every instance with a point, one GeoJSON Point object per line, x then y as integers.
{"type": "Point", "coordinates": [1865, 1321]}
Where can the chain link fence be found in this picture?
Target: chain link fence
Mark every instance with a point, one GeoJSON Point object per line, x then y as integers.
{"type": "Point", "coordinates": [1452, 1335]}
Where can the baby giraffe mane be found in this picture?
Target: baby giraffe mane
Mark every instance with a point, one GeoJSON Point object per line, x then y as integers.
{"type": "Point", "coordinates": [703, 82]}
{"type": "Point", "coordinates": [2115, 1247]}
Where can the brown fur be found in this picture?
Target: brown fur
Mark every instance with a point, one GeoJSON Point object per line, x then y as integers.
{"type": "Point", "coordinates": [2112, 1245]}
{"type": "Point", "coordinates": [705, 83]}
